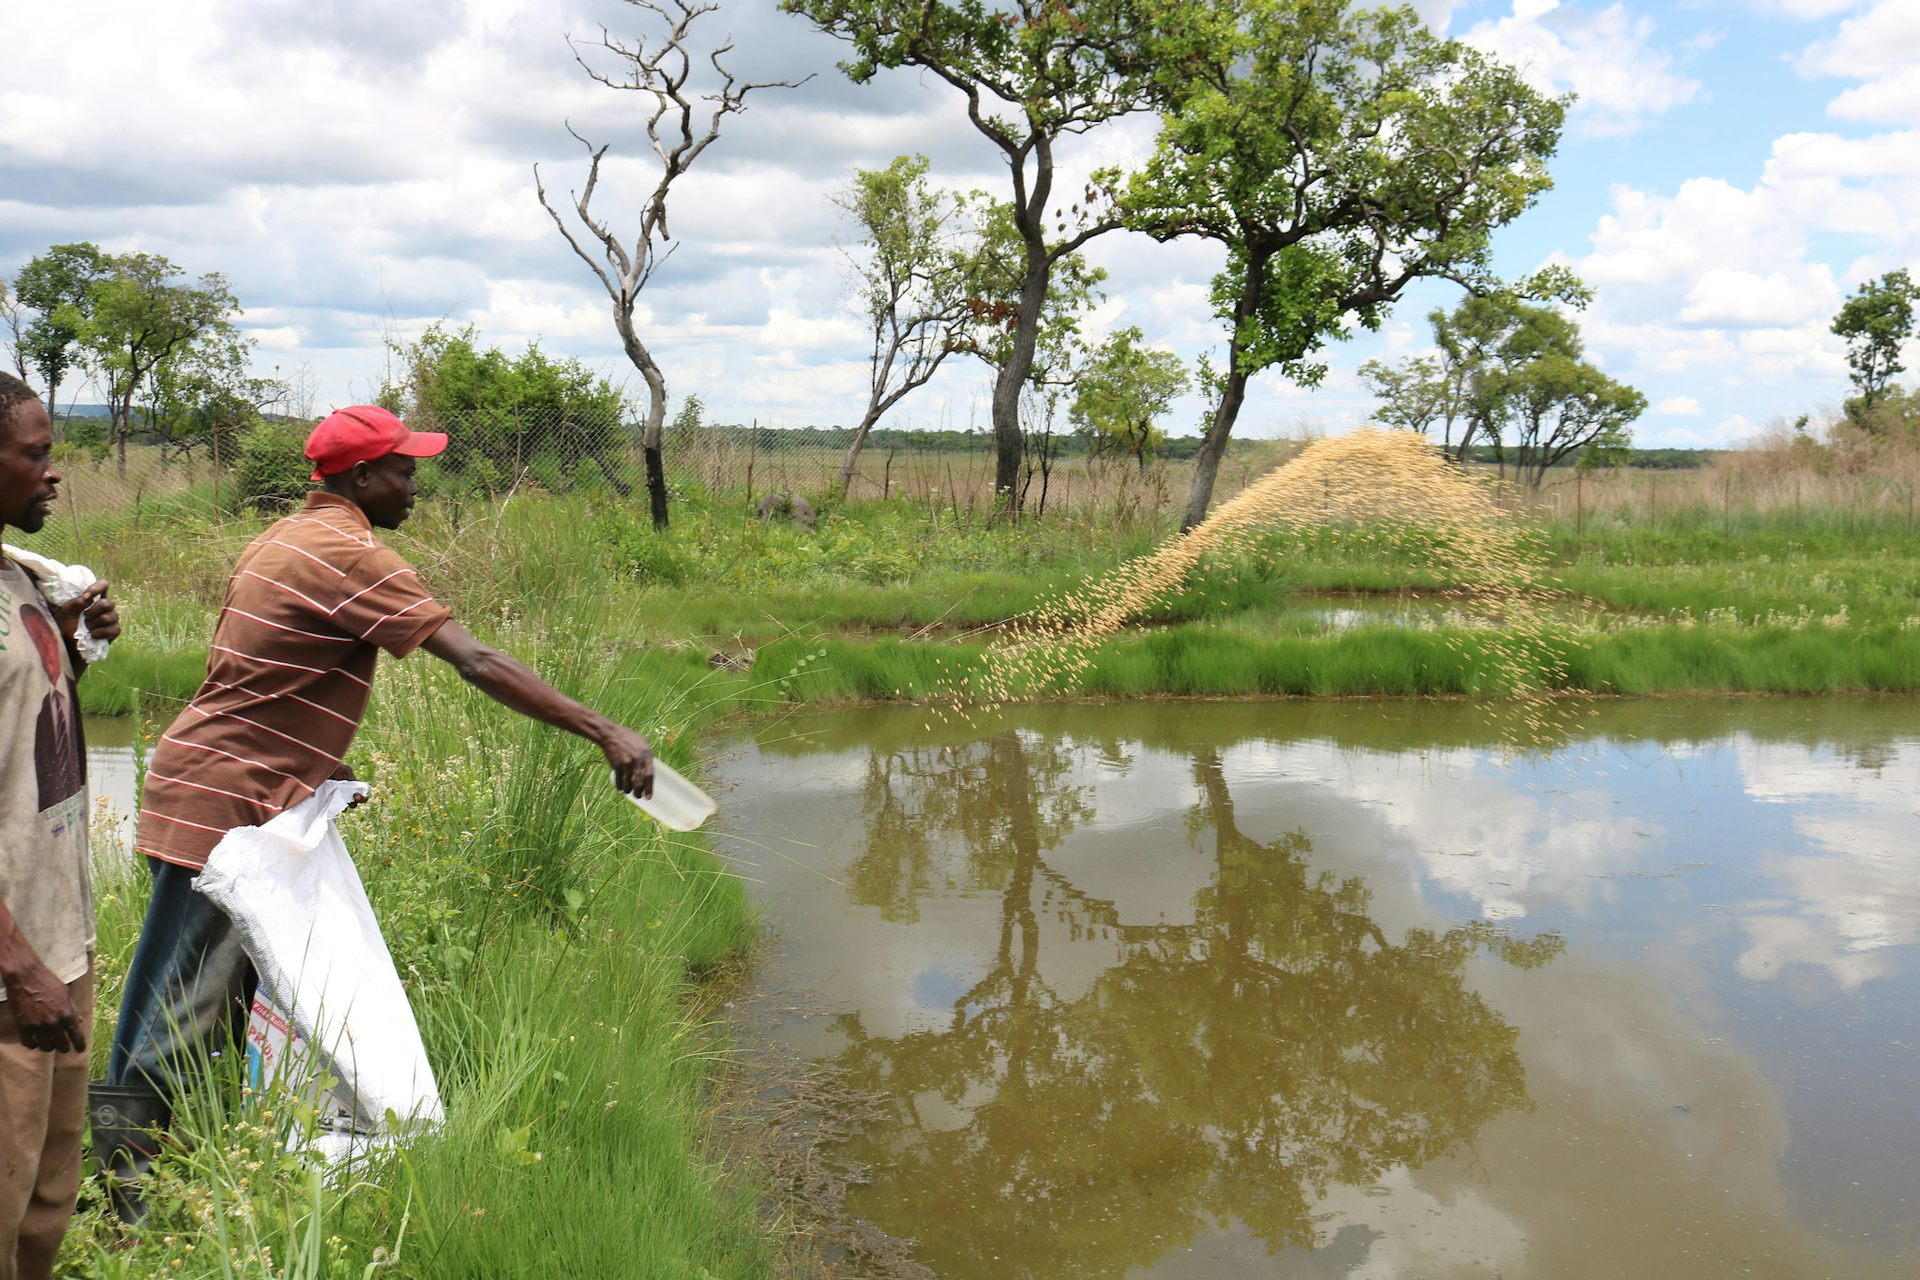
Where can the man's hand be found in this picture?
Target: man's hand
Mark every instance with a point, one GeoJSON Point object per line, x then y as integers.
{"type": "Point", "coordinates": [43, 1009]}
{"type": "Point", "coordinates": [94, 604]}
{"type": "Point", "coordinates": [632, 759]}
{"type": "Point", "coordinates": [345, 773]}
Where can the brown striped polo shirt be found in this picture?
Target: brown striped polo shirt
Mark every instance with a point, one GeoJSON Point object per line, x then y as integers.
{"type": "Point", "coordinates": [310, 605]}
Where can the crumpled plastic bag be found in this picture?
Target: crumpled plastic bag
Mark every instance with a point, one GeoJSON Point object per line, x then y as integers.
{"type": "Point", "coordinates": [61, 583]}
{"type": "Point", "coordinates": [302, 915]}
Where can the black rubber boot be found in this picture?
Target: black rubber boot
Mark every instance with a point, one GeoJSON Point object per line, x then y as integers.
{"type": "Point", "coordinates": [127, 1121]}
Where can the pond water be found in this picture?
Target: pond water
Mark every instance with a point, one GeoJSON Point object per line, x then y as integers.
{"type": "Point", "coordinates": [110, 773]}
{"type": "Point", "coordinates": [1352, 611]}
{"type": "Point", "coordinates": [1324, 989]}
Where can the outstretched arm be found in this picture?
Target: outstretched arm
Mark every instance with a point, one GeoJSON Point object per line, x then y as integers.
{"type": "Point", "coordinates": [511, 683]}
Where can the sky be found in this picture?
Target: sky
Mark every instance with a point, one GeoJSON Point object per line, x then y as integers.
{"type": "Point", "coordinates": [1730, 172]}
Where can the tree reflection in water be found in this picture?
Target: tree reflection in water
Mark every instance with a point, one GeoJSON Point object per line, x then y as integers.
{"type": "Point", "coordinates": [1228, 1070]}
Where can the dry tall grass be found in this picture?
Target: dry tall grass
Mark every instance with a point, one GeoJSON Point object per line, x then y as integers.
{"type": "Point", "coordinates": [959, 482]}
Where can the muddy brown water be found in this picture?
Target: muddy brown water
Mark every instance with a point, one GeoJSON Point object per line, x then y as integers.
{"type": "Point", "coordinates": [1322, 989]}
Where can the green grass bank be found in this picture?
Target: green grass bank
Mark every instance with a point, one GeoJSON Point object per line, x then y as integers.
{"type": "Point", "coordinates": [885, 601]}
{"type": "Point", "coordinates": [560, 949]}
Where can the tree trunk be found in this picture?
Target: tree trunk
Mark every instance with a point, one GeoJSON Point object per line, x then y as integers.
{"type": "Point", "coordinates": [656, 485]}
{"type": "Point", "coordinates": [120, 424]}
{"type": "Point", "coordinates": [653, 430]}
{"type": "Point", "coordinates": [853, 449]}
{"type": "Point", "coordinates": [1213, 446]}
{"type": "Point", "coordinates": [1013, 374]}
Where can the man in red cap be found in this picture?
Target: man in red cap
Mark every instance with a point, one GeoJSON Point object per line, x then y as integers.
{"type": "Point", "coordinates": [309, 607]}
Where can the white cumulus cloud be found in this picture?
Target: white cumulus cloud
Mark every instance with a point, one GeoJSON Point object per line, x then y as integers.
{"type": "Point", "coordinates": [1607, 58]}
{"type": "Point", "coordinates": [1737, 299]}
{"type": "Point", "coordinates": [1879, 47]}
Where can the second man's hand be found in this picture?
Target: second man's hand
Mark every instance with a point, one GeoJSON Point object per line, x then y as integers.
{"type": "Point", "coordinates": [345, 773]}
{"type": "Point", "coordinates": [632, 759]}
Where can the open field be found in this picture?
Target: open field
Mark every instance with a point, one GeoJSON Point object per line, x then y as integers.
{"type": "Point", "coordinates": [581, 1140]}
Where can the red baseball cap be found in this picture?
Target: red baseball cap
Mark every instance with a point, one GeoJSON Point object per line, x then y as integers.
{"type": "Point", "coordinates": [362, 433]}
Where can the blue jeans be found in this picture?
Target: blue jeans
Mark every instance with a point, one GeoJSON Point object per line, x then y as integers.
{"type": "Point", "coordinates": [188, 992]}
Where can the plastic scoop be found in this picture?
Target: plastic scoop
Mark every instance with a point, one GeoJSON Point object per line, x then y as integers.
{"type": "Point", "coordinates": [676, 804]}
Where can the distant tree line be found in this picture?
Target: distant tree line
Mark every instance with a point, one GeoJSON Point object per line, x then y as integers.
{"type": "Point", "coordinates": [1633, 458]}
{"type": "Point", "coordinates": [777, 440]}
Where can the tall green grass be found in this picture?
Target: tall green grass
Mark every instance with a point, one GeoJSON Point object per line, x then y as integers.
{"type": "Point", "coordinates": [553, 940]}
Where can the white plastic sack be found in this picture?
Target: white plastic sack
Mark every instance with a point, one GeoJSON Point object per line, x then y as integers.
{"type": "Point", "coordinates": [61, 583]}
{"type": "Point", "coordinates": [276, 1049]}
{"type": "Point", "coordinates": [303, 917]}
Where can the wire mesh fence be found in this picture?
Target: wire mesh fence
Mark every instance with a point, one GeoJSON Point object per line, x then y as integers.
{"type": "Point", "coordinates": [956, 473]}
{"type": "Point", "coordinates": [500, 452]}
{"type": "Point", "coordinates": [496, 453]}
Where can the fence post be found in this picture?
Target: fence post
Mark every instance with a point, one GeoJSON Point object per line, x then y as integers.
{"type": "Point", "coordinates": [1579, 504]}
{"type": "Point", "coordinates": [753, 449]}
{"type": "Point", "coordinates": [886, 475]}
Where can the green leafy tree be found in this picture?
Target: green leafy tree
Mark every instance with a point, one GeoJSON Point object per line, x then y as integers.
{"type": "Point", "coordinates": [1033, 72]}
{"type": "Point", "coordinates": [1122, 390]}
{"type": "Point", "coordinates": [1425, 393]}
{"type": "Point", "coordinates": [1511, 375]}
{"type": "Point", "coordinates": [692, 415]}
{"type": "Point", "coordinates": [1073, 290]}
{"type": "Point", "coordinates": [206, 396]}
{"type": "Point", "coordinates": [1338, 154]}
{"type": "Point", "coordinates": [55, 287]}
{"type": "Point", "coordinates": [917, 269]}
{"type": "Point", "coordinates": [138, 317]}
{"type": "Point", "coordinates": [1875, 322]}
{"type": "Point", "coordinates": [679, 129]}
{"type": "Point", "coordinates": [510, 415]}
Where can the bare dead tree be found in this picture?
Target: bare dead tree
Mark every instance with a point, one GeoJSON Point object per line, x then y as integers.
{"type": "Point", "coordinates": [681, 124]}
{"type": "Point", "coordinates": [13, 318]}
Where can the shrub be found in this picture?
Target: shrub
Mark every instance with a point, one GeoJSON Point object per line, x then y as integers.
{"type": "Point", "coordinates": [272, 470]}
